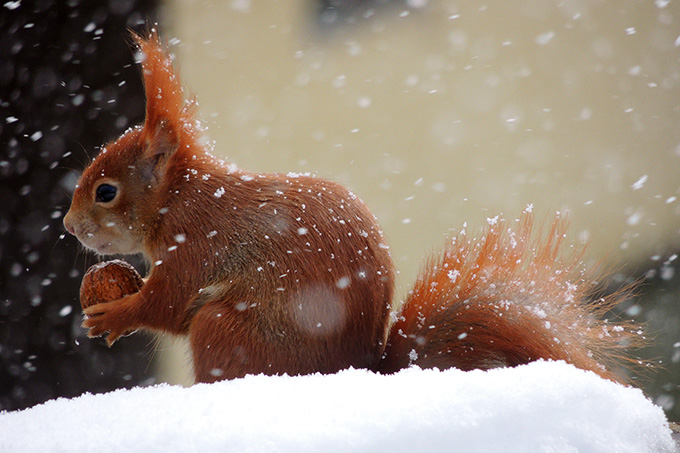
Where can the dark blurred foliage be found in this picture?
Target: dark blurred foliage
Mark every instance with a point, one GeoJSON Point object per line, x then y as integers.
{"type": "Point", "coordinates": [655, 306]}
{"type": "Point", "coordinates": [68, 83]}
{"type": "Point", "coordinates": [343, 13]}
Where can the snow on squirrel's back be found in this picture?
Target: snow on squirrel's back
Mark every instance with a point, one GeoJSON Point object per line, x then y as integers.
{"type": "Point", "coordinates": [544, 406]}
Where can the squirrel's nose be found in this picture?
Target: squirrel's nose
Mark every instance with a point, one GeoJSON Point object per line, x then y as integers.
{"type": "Point", "coordinates": [68, 224]}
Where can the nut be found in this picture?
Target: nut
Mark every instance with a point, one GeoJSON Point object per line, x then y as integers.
{"type": "Point", "coordinates": [109, 281]}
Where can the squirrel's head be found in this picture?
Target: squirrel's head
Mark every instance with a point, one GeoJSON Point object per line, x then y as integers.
{"type": "Point", "coordinates": [110, 208]}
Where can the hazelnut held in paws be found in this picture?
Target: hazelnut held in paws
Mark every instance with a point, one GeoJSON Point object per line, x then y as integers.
{"type": "Point", "coordinates": [109, 281]}
{"type": "Point", "coordinates": [288, 273]}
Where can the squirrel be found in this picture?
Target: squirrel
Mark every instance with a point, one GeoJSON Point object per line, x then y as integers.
{"type": "Point", "coordinates": [290, 274]}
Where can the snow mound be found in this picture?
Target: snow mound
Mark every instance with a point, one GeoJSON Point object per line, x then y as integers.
{"type": "Point", "coordinates": [541, 407]}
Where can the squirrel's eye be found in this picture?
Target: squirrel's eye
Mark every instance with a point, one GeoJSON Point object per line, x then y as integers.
{"type": "Point", "coordinates": [106, 193]}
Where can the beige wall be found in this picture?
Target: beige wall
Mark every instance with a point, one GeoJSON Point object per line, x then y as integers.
{"type": "Point", "coordinates": [454, 112]}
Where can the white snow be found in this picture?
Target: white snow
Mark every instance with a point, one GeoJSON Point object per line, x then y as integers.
{"type": "Point", "coordinates": [545, 38]}
{"type": "Point", "coordinates": [640, 183]}
{"type": "Point", "coordinates": [364, 102]}
{"type": "Point", "coordinates": [541, 407]}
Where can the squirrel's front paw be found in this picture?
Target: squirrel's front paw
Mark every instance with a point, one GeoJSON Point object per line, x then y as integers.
{"type": "Point", "coordinates": [108, 317]}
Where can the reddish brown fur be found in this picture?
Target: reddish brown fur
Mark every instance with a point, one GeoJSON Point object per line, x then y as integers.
{"type": "Point", "coordinates": [272, 273]}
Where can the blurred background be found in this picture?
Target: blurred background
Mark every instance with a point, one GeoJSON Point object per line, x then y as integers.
{"type": "Point", "coordinates": [436, 113]}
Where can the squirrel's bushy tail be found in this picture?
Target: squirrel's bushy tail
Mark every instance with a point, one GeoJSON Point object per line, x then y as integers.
{"type": "Point", "coordinates": [508, 298]}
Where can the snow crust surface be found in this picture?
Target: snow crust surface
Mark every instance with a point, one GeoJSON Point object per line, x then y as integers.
{"type": "Point", "coordinates": [541, 407]}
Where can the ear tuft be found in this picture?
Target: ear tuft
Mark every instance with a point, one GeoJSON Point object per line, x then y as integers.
{"type": "Point", "coordinates": [165, 109]}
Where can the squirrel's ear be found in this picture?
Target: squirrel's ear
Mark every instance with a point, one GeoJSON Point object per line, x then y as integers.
{"type": "Point", "coordinates": [159, 148]}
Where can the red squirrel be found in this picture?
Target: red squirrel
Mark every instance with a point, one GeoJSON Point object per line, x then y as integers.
{"type": "Point", "coordinates": [273, 273]}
